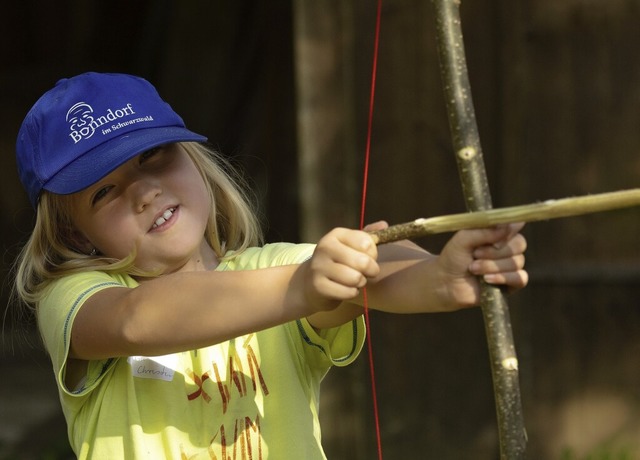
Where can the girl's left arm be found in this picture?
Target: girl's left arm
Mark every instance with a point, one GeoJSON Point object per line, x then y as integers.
{"type": "Point", "coordinates": [411, 280]}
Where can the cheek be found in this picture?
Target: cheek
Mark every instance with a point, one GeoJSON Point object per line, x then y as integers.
{"type": "Point", "coordinates": [197, 191]}
{"type": "Point", "coordinates": [113, 237]}
{"type": "Point", "coordinates": [201, 207]}
{"type": "Point", "coordinates": [205, 200]}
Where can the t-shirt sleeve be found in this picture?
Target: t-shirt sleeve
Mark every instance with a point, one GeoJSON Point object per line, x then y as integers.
{"type": "Point", "coordinates": [56, 313]}
{"type": "Point", "coordinates": [338, 346]}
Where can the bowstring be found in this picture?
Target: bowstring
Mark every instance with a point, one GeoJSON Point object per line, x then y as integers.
{"type": "Point", "coordinates": [365, 180]}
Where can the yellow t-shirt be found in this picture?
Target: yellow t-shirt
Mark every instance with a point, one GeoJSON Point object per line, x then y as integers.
{"type": "Point", "coordinates": [252, 397]}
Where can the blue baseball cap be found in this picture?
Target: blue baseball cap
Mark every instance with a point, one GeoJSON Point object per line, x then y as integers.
{"type": "Point", "coordinates": [88, 125]}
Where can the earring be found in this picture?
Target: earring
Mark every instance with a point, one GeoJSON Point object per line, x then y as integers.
{"type": "Point", "coordinates": [93, 252]}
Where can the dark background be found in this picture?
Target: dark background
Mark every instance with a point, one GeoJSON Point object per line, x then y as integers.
{"type": "Point", "coordinates": [282, 87]}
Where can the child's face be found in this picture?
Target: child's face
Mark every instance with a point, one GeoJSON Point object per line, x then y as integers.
{"type": "Point", "coordinates": [156, 203]}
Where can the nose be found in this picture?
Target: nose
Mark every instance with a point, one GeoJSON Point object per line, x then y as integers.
{"type": "Point", "coordinates": [143, 190]}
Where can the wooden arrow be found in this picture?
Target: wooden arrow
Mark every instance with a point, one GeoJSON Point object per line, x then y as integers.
{"type": "Point", "coordinates": [545, 210]}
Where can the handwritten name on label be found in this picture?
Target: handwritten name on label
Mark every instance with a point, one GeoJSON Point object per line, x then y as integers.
{"type": "Point", "coordinates": [156, 367]}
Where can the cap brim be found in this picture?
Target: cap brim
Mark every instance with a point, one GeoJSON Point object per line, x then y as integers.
{"type": "Point", "coordinates": [106, 157]}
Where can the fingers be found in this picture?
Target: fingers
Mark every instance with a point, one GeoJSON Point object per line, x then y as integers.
{"type": "Point", "coordinates": [515, 244]}
{"type": "Point", "coordinates": [514, 280]}
{"type": "Point", "coordinates": [508, 271]}
{"type": "Point", "coordinates": [351, 248]}
{"type": "Point", "coordinates": [497, 254]}
{"type": "Point", "coordinates": [342, 263]}
{"type": "Point", "coordinates": [500, 258]}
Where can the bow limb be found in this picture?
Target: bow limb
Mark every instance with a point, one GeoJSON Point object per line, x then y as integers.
{"type": "Point", "coordinates": [466, 143]}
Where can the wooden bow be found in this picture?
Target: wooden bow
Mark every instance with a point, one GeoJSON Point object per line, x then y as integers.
{"type": "Point", "coordinates": [469, 158]}
{"type": "Point", "coordinates": [466, 143]}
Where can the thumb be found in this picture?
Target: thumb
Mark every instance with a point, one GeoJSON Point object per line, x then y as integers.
{"type": "Point", "coordinates": [375, 226]}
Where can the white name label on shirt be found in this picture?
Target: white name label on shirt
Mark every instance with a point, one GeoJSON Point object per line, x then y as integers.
{"type": "Point", "coordinates": [155, 367]}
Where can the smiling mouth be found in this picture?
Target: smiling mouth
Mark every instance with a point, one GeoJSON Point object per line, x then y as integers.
{"type": "Point", "coordinates": [164, 217]}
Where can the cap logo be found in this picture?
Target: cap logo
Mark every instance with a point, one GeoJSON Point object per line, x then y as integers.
{"type": "Point", "coordinates": [83, 124]}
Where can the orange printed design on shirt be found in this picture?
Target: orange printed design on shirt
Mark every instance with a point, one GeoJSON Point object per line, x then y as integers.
{"type": "Point", "coordinates": [199, 381]}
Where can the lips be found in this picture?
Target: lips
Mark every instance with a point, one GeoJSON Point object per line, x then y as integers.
{"type": "Point", "coordinates": [163, 218]}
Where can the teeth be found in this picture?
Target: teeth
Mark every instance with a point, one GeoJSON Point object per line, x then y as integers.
{"type": "Point", "coordinates": [165, 216]}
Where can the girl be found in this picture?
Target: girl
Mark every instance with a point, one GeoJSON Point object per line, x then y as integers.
{"type": "Point", "coordinates": [172, 331]}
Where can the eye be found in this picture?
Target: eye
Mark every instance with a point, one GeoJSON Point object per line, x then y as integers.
{"type": "Point", "coordinates": [148, 154]}
{"type": "Point", "coordinates": [100, 194]}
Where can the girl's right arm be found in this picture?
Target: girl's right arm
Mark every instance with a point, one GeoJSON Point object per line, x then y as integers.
{"type": "Point", "coordinates": [184, 311]}
{"type": "Point", "coordinates": [190, 310]}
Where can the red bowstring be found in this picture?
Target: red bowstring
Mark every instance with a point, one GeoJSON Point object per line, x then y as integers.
{"type": "Point", "coordinates": [362, 220]}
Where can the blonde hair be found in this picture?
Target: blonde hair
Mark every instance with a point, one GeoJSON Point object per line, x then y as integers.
{"type": "Point", "coordinates": [49, 253]}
